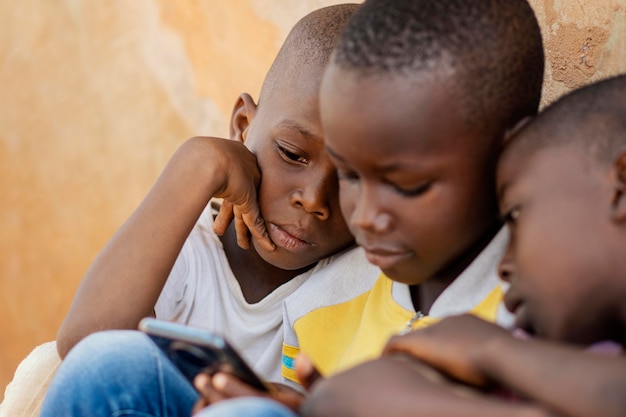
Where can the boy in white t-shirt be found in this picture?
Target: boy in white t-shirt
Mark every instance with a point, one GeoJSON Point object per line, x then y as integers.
{"type": "Point", "coordinates": [168, 259]}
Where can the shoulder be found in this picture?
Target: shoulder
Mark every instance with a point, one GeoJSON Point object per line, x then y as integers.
{"type": "Point", "coordinates": [335, 280]}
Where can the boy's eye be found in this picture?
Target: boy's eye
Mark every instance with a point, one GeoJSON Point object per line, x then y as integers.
{"type": "Point", "coordinates": [291, 156]}
{"type": "Point", "coordinates": [511, 216]}
{"type": "Point", "coordinates": [414, 192]}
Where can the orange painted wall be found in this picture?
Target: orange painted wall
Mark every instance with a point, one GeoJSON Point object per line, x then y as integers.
{"type": "Point", "coordinates": [95, 97]}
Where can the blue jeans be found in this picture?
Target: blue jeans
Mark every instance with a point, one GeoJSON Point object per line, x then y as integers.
{"type": "Point", "coordinates": [122, 373]}
{"type": "Point", "coordinates": [247, 407]}
{"type": "Point", "coordinates": [118, 373]}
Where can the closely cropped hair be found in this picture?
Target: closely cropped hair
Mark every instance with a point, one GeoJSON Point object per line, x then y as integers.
{"type": "Point", "coordinates": [592, 118]}
{"type": "Point", "coordinates": [493, 47]}
{"type": "Point", "coordinates": [310, 42]}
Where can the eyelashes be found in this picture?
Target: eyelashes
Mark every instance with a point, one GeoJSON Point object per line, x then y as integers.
{"type": "Point", "coordinates": [352, 177]}
{"type": "Point", "coordinates": [291, 156]}
{"type": "Point", "coordinates": [415, 191]}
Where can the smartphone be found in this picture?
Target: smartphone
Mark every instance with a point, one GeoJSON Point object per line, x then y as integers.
{"type": "Point", "coordinates": [194, 350]}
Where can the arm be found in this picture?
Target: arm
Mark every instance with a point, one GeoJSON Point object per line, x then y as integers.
{"type": "Point", "coordinates": [565, 379]}
{"type": "Point", "coordinates": [397, 386]}
{"type": "Point", "coordinates": [125, 280]}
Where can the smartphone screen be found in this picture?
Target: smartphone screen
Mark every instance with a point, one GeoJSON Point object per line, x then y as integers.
{"type": "Point", "coordinates": [194, 350]}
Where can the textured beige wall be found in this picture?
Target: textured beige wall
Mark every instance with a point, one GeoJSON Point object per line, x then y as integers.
{"type": "Point", "coordinates": [585, 41]}
{"type": "Point", "coordinates": [96, 95]}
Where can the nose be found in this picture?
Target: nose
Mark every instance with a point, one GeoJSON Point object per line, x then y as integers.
{"type": "Point", "coordinates": [316, 195]}
{"type": "Point", "coordinates": [368, 210]}
{"type": "Point", "coordinates": [506, 268]}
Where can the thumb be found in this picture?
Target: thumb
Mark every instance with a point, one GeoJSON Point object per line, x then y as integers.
{"type": "Point", "coordinates": [306, 372]}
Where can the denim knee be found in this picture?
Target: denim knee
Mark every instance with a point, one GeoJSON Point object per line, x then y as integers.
{"type": "Point", "coordinates": [248, 406]}
{"type": "Point", "coordinates": [118, 373]}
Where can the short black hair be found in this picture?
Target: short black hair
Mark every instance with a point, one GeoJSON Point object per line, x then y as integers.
{"type": "Point", "coordinates": [591, 118]}
{"type": "Point", "coordinates": [493, 47]}
{"type": "Point", "coordinates": [309, 43]}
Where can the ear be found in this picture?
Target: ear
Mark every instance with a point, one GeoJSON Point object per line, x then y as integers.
{"type": "Point", "coordinates": [618, 203]}
{"type": "Point", "coordinates": [242, 116]}
{"type": "Point", "coordinates": [509, 133]}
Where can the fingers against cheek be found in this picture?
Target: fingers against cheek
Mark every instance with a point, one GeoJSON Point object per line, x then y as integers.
{"type": "Point", "coordinates": [242, 231]}
{"type": "Point", "coordinates": [224, 217]}
{"type": "Point", "coordinates": [248, 223]}
{"type": "Point", "coordinates": [256, 224]}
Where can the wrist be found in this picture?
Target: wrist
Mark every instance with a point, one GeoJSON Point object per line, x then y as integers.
{"type": "Point", "coordinates": [489, 358]}
{"type": "Point", "coordinates": [204, 163]}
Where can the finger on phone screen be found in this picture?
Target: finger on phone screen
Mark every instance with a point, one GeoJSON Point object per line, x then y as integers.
{"type": "Point", "coordinates": [230, 386]}
{"type": "Point", "coordinates": [204, 385]}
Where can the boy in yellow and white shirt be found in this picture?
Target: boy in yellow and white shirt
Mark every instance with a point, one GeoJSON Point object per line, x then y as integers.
{"type": "Point", "coordinates": [415, 105]}
{"type": "Point", "coordinates": [352, 323]}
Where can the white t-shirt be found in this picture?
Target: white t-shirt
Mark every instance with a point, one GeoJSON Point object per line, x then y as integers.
{"type": "Point", "coordinates": [203, 292]}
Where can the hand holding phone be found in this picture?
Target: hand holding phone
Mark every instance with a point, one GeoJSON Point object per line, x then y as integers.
{"type": "Point", "coordinates": [194, 350]}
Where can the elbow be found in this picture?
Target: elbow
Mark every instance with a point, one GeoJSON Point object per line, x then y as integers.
{"type": "Point", "coordinates": [63, 347]}
{"type": "Point", "coordinates": [66, 340]}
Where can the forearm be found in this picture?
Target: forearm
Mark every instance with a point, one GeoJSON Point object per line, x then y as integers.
{"type": "Point", "coordinates": [425, 408]}
{"type": "Point", "coordinates": [568, 380]}
{"type": "Point", "coordinates": [125, 280]}
{"type": "Point", "coordinates": [402, 387]}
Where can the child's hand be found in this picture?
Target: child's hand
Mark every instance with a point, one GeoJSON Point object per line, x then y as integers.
{"type": "Point", "coordinates": [394, 385]}
{"type": "Point", "coordinates": [256, 228]}
{"type": "Point", "coordinates": [306, 371]}
{"type": "Point", "coordinates": [222, 386]}
{"type": "Point", "coordinates": [239, 192]}
{"type": "Point", "coordinates": [455, 345]}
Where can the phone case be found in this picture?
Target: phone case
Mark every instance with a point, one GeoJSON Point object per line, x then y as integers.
{"type": "Point", "coordinates": [194, 350]}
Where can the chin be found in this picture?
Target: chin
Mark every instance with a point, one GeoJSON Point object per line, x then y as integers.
{"type": "Point", "coordinates": [406, 275]}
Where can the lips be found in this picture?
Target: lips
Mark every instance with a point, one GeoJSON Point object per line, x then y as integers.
{"type": "Point", "coordinates": [385, 258]}
{"type": "Point", "coordinates": [290, 237]}
{"type": "Point", "coordinates": [511, 300]}
{"type": "Point", "coordinates": [516, 305]}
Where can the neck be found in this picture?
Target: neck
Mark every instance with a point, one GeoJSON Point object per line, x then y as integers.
{"type": "Point", "coordinates": [425, 294]}
{"type": "Point", "coordinates": [256, 277]}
